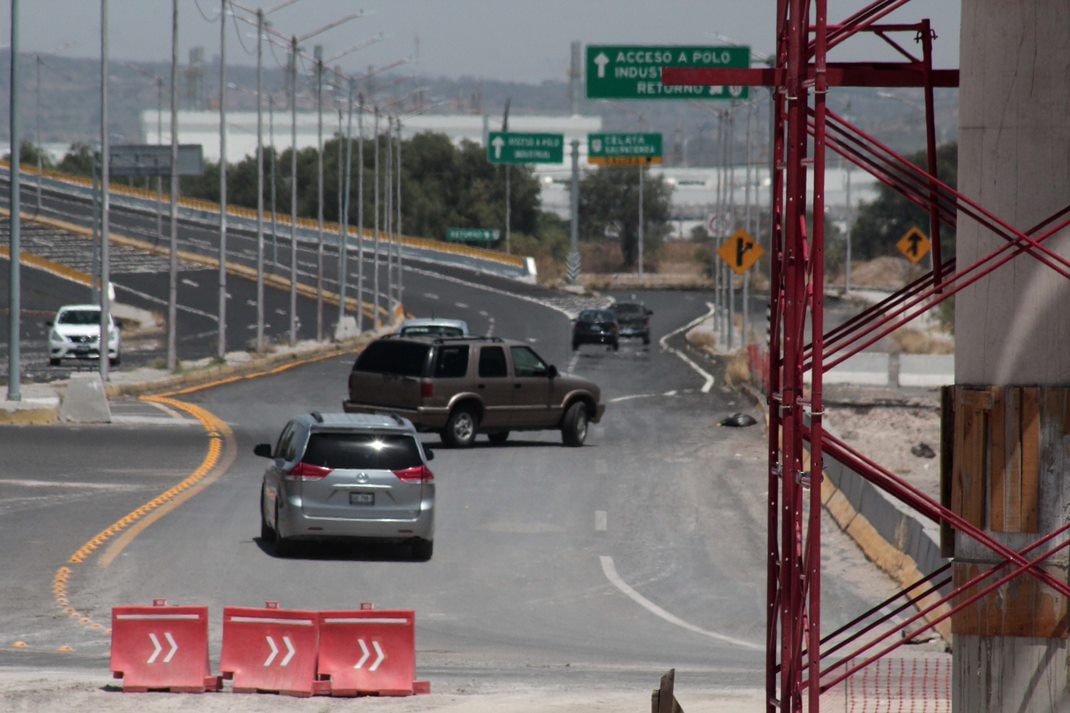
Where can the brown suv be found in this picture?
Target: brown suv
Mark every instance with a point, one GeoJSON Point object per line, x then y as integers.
{"type": "Point", "coordinates": [462, 386]}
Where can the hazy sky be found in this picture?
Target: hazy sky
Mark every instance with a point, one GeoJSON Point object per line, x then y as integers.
{"type": "Point", "coordinates": [519, 40]}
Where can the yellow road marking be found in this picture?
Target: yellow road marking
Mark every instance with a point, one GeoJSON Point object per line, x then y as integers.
{"type": "Point", "coordinates": [222, 450]}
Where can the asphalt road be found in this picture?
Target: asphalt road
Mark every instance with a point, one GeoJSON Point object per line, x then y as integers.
{"type": "Point", "coordinates": [595, 567]}
{"type": "Point", "coordinates": [557, 568]}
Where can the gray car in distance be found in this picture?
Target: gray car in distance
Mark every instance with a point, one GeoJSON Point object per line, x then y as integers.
{"type": "Point", "coordinates": [350, 477]}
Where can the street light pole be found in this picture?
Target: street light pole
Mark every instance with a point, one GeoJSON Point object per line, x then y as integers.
{"type": "Point", "coordinates": [375, 262]}
{"type": "Point", "coordinates": [319, 192]}
{"type": "Point", "coordinates": [360, 216]}
{"type": "Point", "coordinates": [397, 227]}
{"type": "Point", "coordinates": [344, 210]}
{"type": "Point", "coordinates": [293, 190]}
{"type": "Point", "coordinates": [221, 348]}
{"type": "Point", "coordinates": [172, 292]}
{"type": "Point", "coordinates": [259, 180]}
{"type": "Point", "coordinates": [105, 150]}
{"type": "Point", "coordinates": [15, 304]}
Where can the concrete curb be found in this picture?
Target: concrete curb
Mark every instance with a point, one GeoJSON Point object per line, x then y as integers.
{"type": "Point", "coordinates": [43, 407]}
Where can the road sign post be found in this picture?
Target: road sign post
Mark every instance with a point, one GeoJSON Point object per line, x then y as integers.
{"type": "Point", "coordinates": [509, 147]}
{"type": "Point", "coordinates": [619, 72]}
{"type": "Point", "coordinates": [624, 149]}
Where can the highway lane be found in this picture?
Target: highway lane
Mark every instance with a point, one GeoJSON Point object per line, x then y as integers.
{"type": "Point", "coordinates": [602, 565]}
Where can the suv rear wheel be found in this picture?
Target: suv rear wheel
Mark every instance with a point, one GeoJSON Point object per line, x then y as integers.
{"type": "Point", "coordinates": [461, 427]}
{"type": "Point", "coordinates": [574, 425]}
{"type": "Point", "coordinates": [422, 550]}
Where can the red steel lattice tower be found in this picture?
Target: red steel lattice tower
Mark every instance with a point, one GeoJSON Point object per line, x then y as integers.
{"type": "Point", "coordinates": [802, 662]}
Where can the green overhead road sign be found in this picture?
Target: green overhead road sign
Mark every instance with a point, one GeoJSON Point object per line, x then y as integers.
{"type": "Point", "coordinates": [623, 149]}
{"type": "Point", "coordinates": [462, 235]}
{"type": "Point", "coordinates": [615, 72]}
{"type": "Point", "coordinates": [507, 147]}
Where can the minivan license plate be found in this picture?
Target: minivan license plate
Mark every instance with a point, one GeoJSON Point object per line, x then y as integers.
{"type": "Point", "coordinates": [362, 498]}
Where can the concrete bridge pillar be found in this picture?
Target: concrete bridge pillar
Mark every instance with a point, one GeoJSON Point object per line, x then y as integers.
{"type": "Point", "coordinates": [1011, 450]}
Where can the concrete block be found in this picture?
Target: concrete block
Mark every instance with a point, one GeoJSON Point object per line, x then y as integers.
{"type": "Point", "coordinates": [85, 400]}
{"type": "Point", "coordinates": [346, 328]}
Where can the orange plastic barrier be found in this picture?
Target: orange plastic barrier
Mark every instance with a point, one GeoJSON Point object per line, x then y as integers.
{"type": "Point", "coordinates": [161, 648]}
{"type": "Point", "coordinates": [369, 652]}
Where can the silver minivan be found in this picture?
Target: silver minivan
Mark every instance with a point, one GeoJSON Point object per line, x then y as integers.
{"type": "Point", "coordinates": [348, 476]}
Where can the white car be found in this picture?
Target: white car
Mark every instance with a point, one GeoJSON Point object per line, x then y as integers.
{"type": "Point", "coordinates": [433, 327]}
{"type": "Point", "coordinates": [75, 334]}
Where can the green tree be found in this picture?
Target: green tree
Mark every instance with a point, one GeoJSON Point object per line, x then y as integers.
{"type": "Point", "coordinates": [609, 201]}
{"type": "Point", "coordinates": [881, 223]}
{"type": "Point", "coordinates": [78, 160]}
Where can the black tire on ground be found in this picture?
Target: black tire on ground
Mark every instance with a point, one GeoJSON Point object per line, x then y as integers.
{"type": "Point", "coordinates": [574, 425]}
{"type": "Point", "coordinates": [53, 362]}
{"type": "Point", "coordinates": [422, 550]}
{"type": "Point", "coordinates": [461, 428]}
{"type": "Point", "coordinates": [499, 437]}
{"type": "Point", "coordinates": [114, 362]}
{"type": "Point", "coordinates": [266, 533]}
{"type": "Point", "coordinates": [279, 544]}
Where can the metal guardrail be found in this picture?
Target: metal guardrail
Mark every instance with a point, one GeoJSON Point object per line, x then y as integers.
{"type": "Point", "coordinates": [238, 217]}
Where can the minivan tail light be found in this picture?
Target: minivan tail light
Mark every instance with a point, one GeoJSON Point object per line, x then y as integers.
{"type": "Point", "coordinates": [427, 389]}
{"type": "Point", "coordinates": [305, 471]}
{"type": "Point", "coordinates": [417, 474]}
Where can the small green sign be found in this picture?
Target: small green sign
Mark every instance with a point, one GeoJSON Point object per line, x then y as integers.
{"type": "Point", "coordinates": [466, 235]}
{"type": "Point", "coordinates": [616, 72]}
{"type": "Point", "coordinates": [508, 147]}
{"type": "Point", "coordinates": [623, 149]}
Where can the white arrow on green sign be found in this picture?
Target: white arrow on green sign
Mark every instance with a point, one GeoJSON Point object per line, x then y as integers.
{"type": "Point", "coordinates": [623, 149]}
{"type": "Point", "coordinates": [509, 147]}
{"type": "Point", "coordinates": [618, 72]}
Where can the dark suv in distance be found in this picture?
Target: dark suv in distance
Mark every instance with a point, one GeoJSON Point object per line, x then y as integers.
{"type": "Point", "coordinates": [460, 387]}
{"type": "Point", "coordinates": [347, 476]}
{"type": "Point", "coordinates": [596, 326]}
{"type": "Point", "coordinates": [633, 319]}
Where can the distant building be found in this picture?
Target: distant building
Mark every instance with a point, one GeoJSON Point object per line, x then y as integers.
{"type": "Point", "coordinates": [695, 188]}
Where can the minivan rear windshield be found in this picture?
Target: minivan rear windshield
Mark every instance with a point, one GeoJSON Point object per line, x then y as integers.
{"type": "Point", "coordinates": [369, 451]}
{"type": "Point", "coordinates": [389, 357]}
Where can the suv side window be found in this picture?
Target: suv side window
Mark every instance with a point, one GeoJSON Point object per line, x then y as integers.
{"type": "Point", "coordinates": [452, 361]}
{"type": "Point", "coordinates": [402, 358]}
{"type": "Point", "coordinates": [285, 447]}
{"type": "Point", "coordinates": [527, 363]}
{"type": "Point", "coordinates": [492, 362]}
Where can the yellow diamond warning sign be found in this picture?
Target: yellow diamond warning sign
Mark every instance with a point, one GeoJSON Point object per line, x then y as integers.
{"type": "Point", "coordinates": [740, 251]}
{"type": "Point", "coordinates": [915, 245]}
